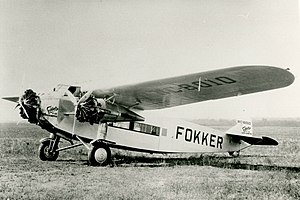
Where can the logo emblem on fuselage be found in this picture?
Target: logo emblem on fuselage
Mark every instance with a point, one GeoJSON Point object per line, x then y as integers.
{"type": "Point", "coordinates": [52, 110]}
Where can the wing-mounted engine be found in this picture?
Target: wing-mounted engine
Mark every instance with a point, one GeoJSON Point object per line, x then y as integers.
{"type": "Point", "coordinates": [98, 110]}
{"type": "Point", "coordinates": [92, 110]}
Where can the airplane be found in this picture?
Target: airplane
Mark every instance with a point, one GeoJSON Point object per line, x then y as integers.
{"type": "Point", "coordinates": [117, 117]}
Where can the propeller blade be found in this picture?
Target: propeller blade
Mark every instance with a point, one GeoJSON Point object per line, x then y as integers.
{"type": "Point", "coordinates": [85, 96]}
{"type": "Point", "coordinates": [23, 108]}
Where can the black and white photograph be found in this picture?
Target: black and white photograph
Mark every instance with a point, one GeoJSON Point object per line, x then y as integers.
{"type": "Point", "coordinates": [181, 99]}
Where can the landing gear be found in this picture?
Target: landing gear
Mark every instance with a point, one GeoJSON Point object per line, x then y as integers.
{"type": "Point", "coordinates": [234, 153]}
{"type": "Point", "coordinates": [99, 151]}
{"type": "Point", "coordinates": [47, 149]}
{"type": "Point", "coordinates": [99, 155]}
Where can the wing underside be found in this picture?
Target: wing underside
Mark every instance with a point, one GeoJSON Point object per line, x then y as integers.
{"type": "Point", "coordinates": [13, 99]}
{"type": "Point", "coordinates": [198, 87]}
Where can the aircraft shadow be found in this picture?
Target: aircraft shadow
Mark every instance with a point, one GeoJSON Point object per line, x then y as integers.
{"type": "Point", "coordinates": [226, 162]}
{"type": "Point", "coordinates": [73, 161]}
{"type": "Point", "coordinates": [214, 161]}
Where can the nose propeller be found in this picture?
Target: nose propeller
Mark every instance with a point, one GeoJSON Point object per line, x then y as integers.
{"type": "Point", "coordinates": [29, 104]}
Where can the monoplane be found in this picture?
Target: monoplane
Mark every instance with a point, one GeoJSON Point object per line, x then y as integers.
{"type": "Point", "coordinates": [116, 117]}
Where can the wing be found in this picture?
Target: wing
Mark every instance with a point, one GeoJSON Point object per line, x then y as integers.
{"type": "Point", "coordinates": [187, 89]}
{"type": "Point", "coordinates": [13, 99]}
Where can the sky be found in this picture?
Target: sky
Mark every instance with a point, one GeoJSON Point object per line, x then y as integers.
{"type": "Point", "coordinates": [108, 43]}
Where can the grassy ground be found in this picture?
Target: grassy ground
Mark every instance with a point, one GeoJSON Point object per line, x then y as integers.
{"type": "Point", "coordinates": [24, 176]}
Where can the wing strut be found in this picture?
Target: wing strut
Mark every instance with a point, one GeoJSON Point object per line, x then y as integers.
{"type": "Point", "coordinates": [199, 84]}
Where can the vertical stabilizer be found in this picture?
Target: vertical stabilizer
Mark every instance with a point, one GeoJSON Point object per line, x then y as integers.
{"type": "Point", "coordinates": [243, 127]}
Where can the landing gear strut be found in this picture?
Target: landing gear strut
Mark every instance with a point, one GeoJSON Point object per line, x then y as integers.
{"type": "Point", "coordinates": [99, 154]}
{"type": "Point", "coordinates": [48, 147]}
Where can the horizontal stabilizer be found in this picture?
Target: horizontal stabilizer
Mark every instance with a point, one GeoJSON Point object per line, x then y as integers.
{"type": "Point", "coordinates": [13, 99]}
{"type": "Point", "coordinates": [254, 140]}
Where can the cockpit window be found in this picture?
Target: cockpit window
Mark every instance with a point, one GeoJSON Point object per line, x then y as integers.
{"type": "Point", "coordinates": [75, 90]}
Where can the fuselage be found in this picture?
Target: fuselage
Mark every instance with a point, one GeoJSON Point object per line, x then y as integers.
{"type": "Point", "coordinates": [170, 136]}
{"type": "Point", "coordinates": [156, 133]}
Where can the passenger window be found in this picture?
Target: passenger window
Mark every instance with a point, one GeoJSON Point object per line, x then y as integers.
{"type": "Point", "coordinates": [124, 125]}
{"type": "Point", "coordinates": [146, 128]}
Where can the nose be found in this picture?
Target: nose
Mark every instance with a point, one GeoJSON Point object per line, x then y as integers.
{"type": "Point", "coordinates": [30, 106]}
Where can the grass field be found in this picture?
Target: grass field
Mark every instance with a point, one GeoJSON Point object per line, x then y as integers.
{"type": "Point", "coordinates": [259, 173]}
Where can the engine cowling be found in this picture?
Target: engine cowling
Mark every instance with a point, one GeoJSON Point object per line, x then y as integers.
{"type": "Point", "coordinates": [91, 111]}
{"type": "Point", "coordinates": [97, 111]}
{"type": "Point", "coordinates": [30, 106]}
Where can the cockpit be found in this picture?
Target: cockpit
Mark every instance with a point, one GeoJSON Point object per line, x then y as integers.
{"type": "Point", "coordinates": [75, 90]}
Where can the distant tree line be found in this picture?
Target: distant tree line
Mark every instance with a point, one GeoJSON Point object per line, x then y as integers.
{"type": "Point", "coordinates": [290, 122]}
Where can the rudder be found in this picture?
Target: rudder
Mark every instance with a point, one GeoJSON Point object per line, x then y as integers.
{"type": "Point", "coordinates": [243, 127]}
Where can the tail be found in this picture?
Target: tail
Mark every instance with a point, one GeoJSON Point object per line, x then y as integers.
{"type": "Point", "coordinates": [243, 131]}
{"type": "Point", "coordinates": [242, 127]}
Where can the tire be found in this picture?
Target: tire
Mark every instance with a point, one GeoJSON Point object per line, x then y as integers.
{"type": "Point", "coordinates": [44, 153]}
{"type": "Point", "coordinates": [99, 155]}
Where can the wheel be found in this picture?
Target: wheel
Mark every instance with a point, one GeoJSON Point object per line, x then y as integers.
{"type": "Point", "coordinates": [99, 155]}
{"type": "Point", "coordinates": [44, 152]}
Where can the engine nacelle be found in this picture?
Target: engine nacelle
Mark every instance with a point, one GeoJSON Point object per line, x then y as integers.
{"type": "Point", "coordinates": [97, 111]}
